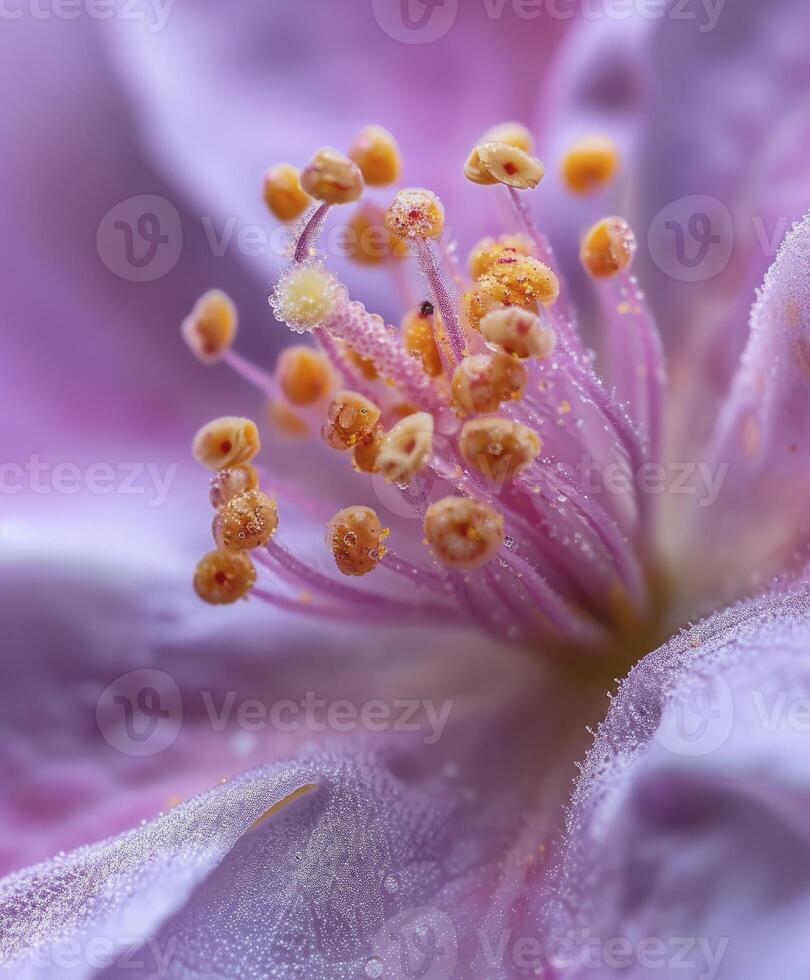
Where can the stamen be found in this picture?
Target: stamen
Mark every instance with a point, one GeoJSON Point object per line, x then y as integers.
{"type": "Point", "coordinates": [376, 153]}
{"type": "Point", "coordinates": [283, 193]}
{"type": "Point", "coordinates": [364, 454]}
{"type": "Point", "coordinates": [245, 522]}
{"type": "Point", "coordinates": [368, 241]}
{"type": "Point", "coordinates": [483, 381]}
{"type": "Point", "coordinates": [608, 248]}
{"type": "Point", "coordinates": [231, 482]}
{"type": "Point", "coordinates": [518, 331]}
{"type": "Point", "coordinates": [509, 165]}
{"type": "Point", "coordinates": [498, 448]}
{"type": "Point", "coordinates": [416, 215]}
{"type": "Point", "coordinates": [351, 417]}
{"type": "Point", "coordinates": [306, 295]}
{"type": "Point", "coordinates": [463, 533]}
{"type": "Point", "coordinates": [590, 164]}
{"type": "Point", "coordinates": [419, 329]}
{"type": "Point", "coordinates": [304, 375]}
{"type": "Point", "coordinates": [222, 577]}
{"type": "Point", "coordinates": [210, 328]}
{"type": "Point", "coordinates": [226, 441]}
{"type": "Point", "coordinates": [405, 448]}
{"type": "Point", "coordinates": [332, 177]}
{"type": "Point", "coordinates": [355, 537]}
{"type": "Point", "coordinates": [488, 250]}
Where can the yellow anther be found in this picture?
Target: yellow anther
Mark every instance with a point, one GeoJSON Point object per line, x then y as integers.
{"type": "Point", "coordinates": [406, 447]}
{"type": "Point", "coordinates": [223, 576]}
{"type": "Point", "coordinates": [283, 193]}
{"type": "Point", "coordinates": [305, 295]}
{"type": "Point", "coordinates": [415, 213]}
{"type": "Point", "coordinates": [475, 171]}
{"type": "Point", "coordinates": [499, 448]}
{"type": "Point", "coordinates": [248, 521]}
{"type": "Point", "coordinates": [590, 164]}
{"type": "Point", "coordinates": [332, 177]}
{"type": "Point", "coordinates": [483, 381]}
{"type": "Point", "coordinates": [608, 248]}
{"type": "Point", "coordinates": [363, 364]}
{"type": "Point", "coordinates": [231, 482]}
{"type": "Point", "coordinates": [463, 533]}
{"type": "Point", "coordinates": [364, 454]}
{"type": "Point", "coordinates": [350, 418]}
{"type": "Point", "coordinates": [376, 153]}
{"type": "Point", "coordinates": [304, 374]}
{"type": "Point", "coordinates": [368, 241]}
{"type": "Point", "coordinates": [211, 326]}
{"type": "Point", "coordinates": [516, 280]}
{"type": "Point", "coordinates": [355, 537]}
{"type": "Point", "coordinates": [518, 332]}
{"type": "Point", "coordinates": [285, 421]}
{"type": "Point", "coordinates": [489, 250]}
{"type": "Point", "coordinates": [511, 133]}
{"type": "Point", "coordinates": [476, 303]}
{"type": "Point", "coordinates": [419, 339]}
{"type": "Point", "coordinates": [510, 165]}
{"type": "Point", "coordinates": [226, 441]}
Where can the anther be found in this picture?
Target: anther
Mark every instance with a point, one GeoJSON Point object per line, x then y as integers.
{"type": "Point", "coordinates": [518, 332]}
{"type": "Point", "coordinates": [519, 279]}
{"type": "Point", "coordinates": [376, 153]}
{"type": "Point", "coordinates": [475, 171]}
{"type": "Point", "coordinates": [246, 522]}
{"type": "Point", "coordinates": [415, 213]}
{"type": "Point", "coordinates": [350, 418]}
{"type": "Point", "coordinates": [510, 165]}
{"type": "Point", "coordinates": [589, 164]}
{"type": "Point", "coordinates": [405, 448]}
{"type": "Point", "coordinates": [283, 193]}
{"type": "Point", "coordinates": [483, 381]}
{"type": "Point", "coordinates": [226, 441]}
{"type": "Point", "coordinates": [499, 448]}
{"type": "Point", "coordinates": [419, 329]}
{"type": "Point", "coordinates": [364, 454]}
{"type": "Point", "coordinates": [304, 374]}
{"type": "Point", "coordinates": [210, 328]}
{"type": "Point", "coordinates": [463, 533]}
{"type": "Point", "coordinates": [332, 177]}
{"type": "Point", "coordinates": [608, 248]}
{"type": "Point", "coordinates": [488, 250]}
{"type": "Point", "coordinates": [354, 536]}
{"type": "Point", "coordinates": [222, 577]}
{"type": "Point", "coordinates": [231, 482]}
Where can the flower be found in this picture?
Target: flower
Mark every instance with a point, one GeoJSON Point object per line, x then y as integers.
{"type": "Point", "coordinates": [317, 866]}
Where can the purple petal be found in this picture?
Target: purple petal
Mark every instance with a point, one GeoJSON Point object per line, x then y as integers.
{"type": "Point", "coordinates": [688, 819]}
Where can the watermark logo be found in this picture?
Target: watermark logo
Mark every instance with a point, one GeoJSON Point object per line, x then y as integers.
{"type": "Point", "coordinates": [140, 713]}
{"type": "Point", "coordinates": [417, 943]}
{"type": "Point", "coordinates": [415, 21]}
{"type": "Point", "coordinates": [692, 239]}
{"type": "Point", "coordinates": [699, 719]}
{"type": "Point", "coordinates": [140, 239]}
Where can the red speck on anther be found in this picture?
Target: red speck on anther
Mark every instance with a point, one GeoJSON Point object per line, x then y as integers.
{"type": "Point", "coordinates": [221, 578]}
{"type": "Point", "coordinates": [510, 168]}
{"type": "Point", "coordinates": [226, 446]}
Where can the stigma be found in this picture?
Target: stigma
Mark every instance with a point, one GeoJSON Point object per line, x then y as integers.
{"type": "Point", "coordinates": [469, 403]}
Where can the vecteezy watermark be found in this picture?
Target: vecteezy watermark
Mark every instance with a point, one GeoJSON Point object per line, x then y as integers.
{"type": "Point", "coordinates": [145, 954]}
{"type": "Point", "coordinates": [140, 238]}
{"type": "Point", "coordinates": [426, 21]}
{"type": "Point", "coordinates": [699, 718]}
{"type": "Point", "coordinates": [140, 713]}
{"type": "Point", "coordinates": [692, 239]}
{"type": "Point", "coordinates": [700, 955]}
{"type": "Point", "coordinates": [420, 942]}
{"type": "Point", "coordinates": [38, 476]}
{"type": "Point", "coordinates": [154, 14]}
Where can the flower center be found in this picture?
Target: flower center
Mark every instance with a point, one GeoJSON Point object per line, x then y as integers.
{"type": "Point", "coordinates": [481, 410]}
